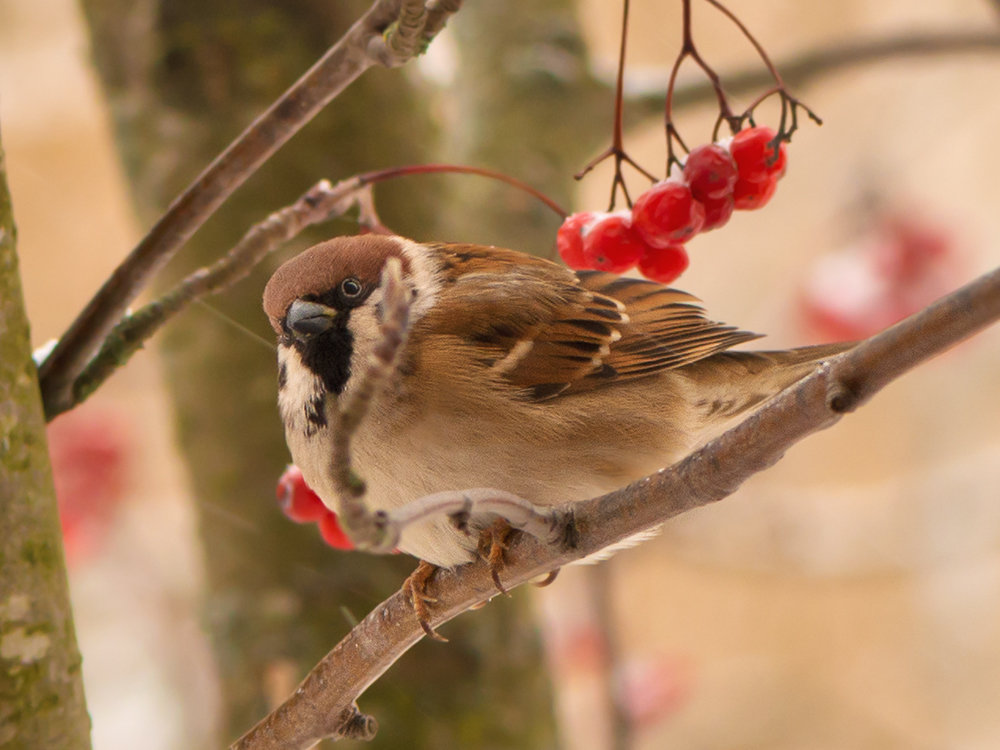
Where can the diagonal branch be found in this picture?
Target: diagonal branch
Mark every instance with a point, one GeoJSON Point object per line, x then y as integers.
{"type": "Point", "coordinates": [375, 39]}
{"type": "Point", "coordinates": [362, 525]}
{"type": "Point", "coordinates": [318, 204]}
{"type": "Point", "coordinates": [324, 704]}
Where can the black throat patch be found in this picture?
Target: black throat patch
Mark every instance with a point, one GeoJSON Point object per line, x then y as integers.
{"type": "Point", "coordinates": [328, 354]}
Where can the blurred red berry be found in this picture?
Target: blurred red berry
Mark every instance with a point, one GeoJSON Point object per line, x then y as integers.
{"type": "Point", "coordinates": [717, 212]}
{"type": "Point", "coordinates": [753, 194]}
{"type": "Point", "coordinates": [569, 238]}
{"type": "Point", "coordinates": [755, 155]}
{"type": "Point", "coordinates": [612, 245]}
{"type": "Point", "coordinates": [667, 213]}
{"type": "Point", "coordinates": [911, 248]}
{"type": "Point", "coordinates": [651, 690]}
{"type": "Point", "coordinates": [710, 172]}
{"type": "Point", "coordinates": [296, 499]}
{"type": "Point", "coordinates": [89, 448]}
{"type": "Point", "coordinates": [664, 264]}
{"type": "Point", "coordinates": [333, 535]}
{"type": "Point", "coordinates": [902, 265]}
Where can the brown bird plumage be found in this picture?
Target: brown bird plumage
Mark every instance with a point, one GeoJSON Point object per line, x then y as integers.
{"type": "Point", "coordinates": [518, 374]}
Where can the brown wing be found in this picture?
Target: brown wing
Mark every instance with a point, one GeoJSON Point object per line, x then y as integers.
{"type": "Point", "coordinates": [666, 327]}
{"type": "Point", "coordinates": [549, 330]}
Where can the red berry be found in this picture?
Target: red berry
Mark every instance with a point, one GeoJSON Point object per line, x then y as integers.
{"type": "Point", "coordinates": [667, 213]}
{"type": "Point", "coordinates": [710, 172]}
{"type": "Point", "coordinates": [612, 245]}
{"type": "Point", "coordinates": [749, 194]}
{"type": "Point", "coordinates": [717, 212]}
{"type": "Point", "coordinates": [569, 239]}
{"type": "Point", "coordinates": [297, 501]}
{"type": "Point", "coordinates": [333, 535]}
{"type": "Point", "coordinates": [756, 157]}
{"type": "Point", "coordinates": [664, 264]}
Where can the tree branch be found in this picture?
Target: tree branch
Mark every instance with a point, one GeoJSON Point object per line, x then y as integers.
{"type": "Point", "coordinates": [319, 204]}
{"type": "Point", "coordinates": [805, 67]}
{"type": "Point", "coordinates": [360, 524]}
{"type": "Point", "coordinates": [378, 38]}
{"type": "Point", "coordinates": [709, 474]}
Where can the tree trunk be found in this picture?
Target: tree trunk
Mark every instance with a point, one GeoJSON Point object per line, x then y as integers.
{"type": "Point", "coordinates": [184, 78]}
{"type": "Point", "coordinates": [42, 703]}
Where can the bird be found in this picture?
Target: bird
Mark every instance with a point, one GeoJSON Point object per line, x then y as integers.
{"type": "Point", "coordinates": [517, 374]}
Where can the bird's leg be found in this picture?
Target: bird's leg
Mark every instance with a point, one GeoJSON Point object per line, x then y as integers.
{"type": "Point", "coordinates": [492, 545]}
{"type": "Point", "coordinates": [415, 588]}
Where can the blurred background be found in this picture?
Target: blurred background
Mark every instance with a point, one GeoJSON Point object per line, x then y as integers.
{"type": "Point", "coordinates": [848, 598]}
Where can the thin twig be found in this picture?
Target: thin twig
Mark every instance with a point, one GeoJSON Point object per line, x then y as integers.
{"type": "Point", "coordinates": [317, 205]}
{"type": "Point", "coordinates": [379, 531]}
{"type": "Point", "coordinates": [362, 526]}
{"type": "Point", "coordinates": [705, 476]}
{"type": "Point", "coordinates": [360, 48]}
{"type": "Point", "coordinates": [803, 68]}
{"type": "Point", "coordinates": [617, 147]}
{"type": "Point", "coordinates": [789, 104]}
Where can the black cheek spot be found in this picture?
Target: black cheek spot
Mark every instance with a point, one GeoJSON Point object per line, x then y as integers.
{"type": "Point", "coordinates": [282, 375]}
{"type": "Point", "coordinates": [315, 415]}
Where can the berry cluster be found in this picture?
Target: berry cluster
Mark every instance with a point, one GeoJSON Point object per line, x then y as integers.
{"type": "Point", "coordinates": [299, 503]}
{"type": "Point", "coordinates": [741, 173]}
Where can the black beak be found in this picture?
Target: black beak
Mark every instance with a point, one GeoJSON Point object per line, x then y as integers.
{"type": "Point", "coordinates": [309, 318]}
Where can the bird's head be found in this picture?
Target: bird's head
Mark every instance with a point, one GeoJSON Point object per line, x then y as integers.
{"type": "Point", "coordinates": [325, 303]}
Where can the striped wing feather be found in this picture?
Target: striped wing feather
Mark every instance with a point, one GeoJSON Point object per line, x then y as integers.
{"type": "Point", "coordinates": [551, 331]}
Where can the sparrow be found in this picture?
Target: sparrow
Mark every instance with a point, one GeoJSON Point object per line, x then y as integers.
{"type": "Point", "coordinates": [517, 374]}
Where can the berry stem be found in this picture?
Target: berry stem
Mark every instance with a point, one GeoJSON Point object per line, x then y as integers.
{"type": "Point", "coordinates": [750, 38]}
{"type": "Point", "coordinates": [617, 147]}
{"type": "Point", "coordinates": [789, 104]}
{"type": "Point", "coordinates": [390, 173]}
{"type": "Point", "coordinates": [689, 49]}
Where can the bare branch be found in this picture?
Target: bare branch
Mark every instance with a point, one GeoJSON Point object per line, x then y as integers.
{"type": "Point", "coordinates": [317, 205]}
{"type": "Point", "coordinates": [360, 524]}
{"type": "Point", "coordinates": [363, 46]}
{"type": "Point", "coordinates": [824, 61]}
{"type": "Point", "coordinates": [705, 476]}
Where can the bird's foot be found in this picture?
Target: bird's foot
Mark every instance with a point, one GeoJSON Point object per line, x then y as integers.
{"type": "Point", "coordinates": [415, 588]}
{"type": "Point", "coordinates": [492, 545]}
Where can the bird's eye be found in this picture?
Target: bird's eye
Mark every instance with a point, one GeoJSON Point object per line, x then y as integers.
{"type": "Point", "coordinates": [350, 287]}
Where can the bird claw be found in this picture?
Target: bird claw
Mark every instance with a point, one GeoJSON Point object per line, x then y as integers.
{"type": "Point", "coordinates": [415, 588]}
{"type": "Point", "coordinates": [492, 545]}
{"type": "Point", "coordinates": [549, 578]}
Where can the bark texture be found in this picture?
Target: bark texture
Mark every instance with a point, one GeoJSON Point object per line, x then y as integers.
{"type": "Point", "coordinates": [42, 702]}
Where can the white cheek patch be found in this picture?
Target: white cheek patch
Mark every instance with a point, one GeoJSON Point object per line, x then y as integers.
{"type": "Point", "coordinates": [301, 397]}
{"type": "Point", "coordinates": [425, 278]}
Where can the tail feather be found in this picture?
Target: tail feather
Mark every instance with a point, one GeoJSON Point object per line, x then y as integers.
{"type": "Point", "coordinates": [729, 384]}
